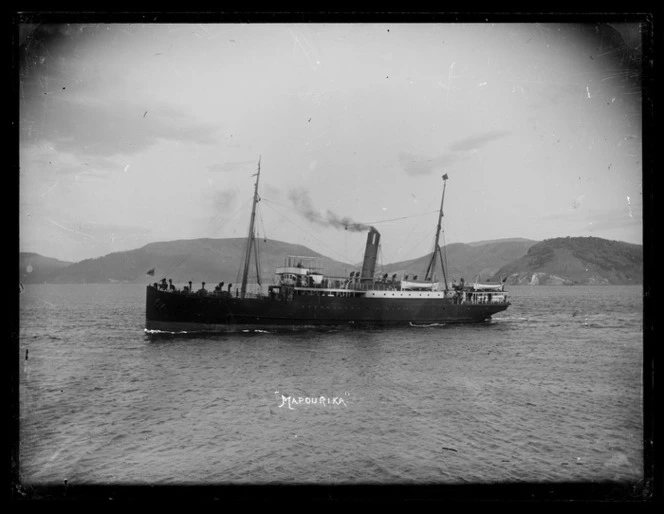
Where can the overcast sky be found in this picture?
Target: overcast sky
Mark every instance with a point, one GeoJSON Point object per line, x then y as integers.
{"type": "Point", "coordinates": [131, 134]}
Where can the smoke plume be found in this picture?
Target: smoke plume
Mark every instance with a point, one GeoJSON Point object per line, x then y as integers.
{"type": "Point", "coordinates": [302, 202]}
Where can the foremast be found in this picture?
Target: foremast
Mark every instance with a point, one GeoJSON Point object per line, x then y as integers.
{"type": "Point", "coordinates": [251, 240]}
{"type": "Point", "coordinates": [436, 249]}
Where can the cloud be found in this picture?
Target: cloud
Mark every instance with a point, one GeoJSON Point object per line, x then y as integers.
{"type": "Point", "coordinates": [71, 231]}
{"type": "Point", "coordinates": [222, 201]}
{"type": "Point", "coordinates": [95, 167]}
{"type": "Point", "coordinates": [106, 128]}
{"type": "Point", "coordinates": [231, 166]}
{"type": "Point", "coordinates": [615, 219]}
{"type": "Point", "coordinates": [302, 202]}
{"type": "Point", "coordinates": [463, 149]}
{"type": "Point", "coordinates": [271, 191]}
{"type": "Point", "coordinates": [43, 163]}
{"type": "Point", "coordinates": [78, 172]}
{"type": "Point", "coordinates": [477, 142]}
{"type": "Point", "coordinates": [623, 215]}
{"type": "Point", "coordinates": [81, 107]}
{"type": "Point", "coordinates": [108, 234]}
{"type": "Point", "coordinates": [72, 240]}
{"type": "Point", "coordinates": [419, 165]}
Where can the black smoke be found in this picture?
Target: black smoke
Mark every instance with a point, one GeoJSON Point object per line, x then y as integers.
{"type": "Point", "coordinates": [302, 202]}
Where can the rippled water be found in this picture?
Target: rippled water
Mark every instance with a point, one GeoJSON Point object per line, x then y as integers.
{"type": "Point", "coordinates": [550, 390]}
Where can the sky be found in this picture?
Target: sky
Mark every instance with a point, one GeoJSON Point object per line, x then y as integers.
{"type": "Point", "coordinates": [138, 133]}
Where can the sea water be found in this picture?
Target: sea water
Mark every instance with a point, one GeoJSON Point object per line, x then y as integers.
{"type": "Point", "coordinates": [550, 390]}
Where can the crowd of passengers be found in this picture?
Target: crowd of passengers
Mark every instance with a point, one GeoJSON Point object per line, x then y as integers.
{"type": "Point", "coordinates": [168, 286]}
{"type": "Point", "coordinates": [303, 281]}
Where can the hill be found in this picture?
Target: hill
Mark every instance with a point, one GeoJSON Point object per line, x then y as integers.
{"type": "Point", "coordinates": [468, 261]}
{"type": "Point", "coordinates": [212, 260]}
{"type": "Point", "coordinates": [35, 268]}
{"type": "Point", "coordinates": [577, 260]}
{"type": "Point", "coordinates": [506, 240]}
{"type": "Point", "coordinates": [216, 260]}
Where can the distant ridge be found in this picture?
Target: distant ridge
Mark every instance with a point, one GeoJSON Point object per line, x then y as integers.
{"type": "Point", "coordinates": [577, 260]}
{"type": "Point", "coordinates": [504, 240]}
{"type": "Point", "coordinates": [35, 268]}
{"type": "Point", "coordinates": [468, 260]}
{"type": "Point", "coordinates": [211, 260]}
{"type": "Point", "coordinates": [566, 260]}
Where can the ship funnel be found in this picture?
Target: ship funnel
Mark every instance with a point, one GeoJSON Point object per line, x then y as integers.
{"type": "Point", "coordinates": [370, 254]}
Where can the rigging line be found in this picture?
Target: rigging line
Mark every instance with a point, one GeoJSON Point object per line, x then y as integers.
{"type": "Point", "coordinates": [397, 219]}
{"type": "Point", "coordinates": [427, 236]}
{"type": "Point", "coordinates": [260, 216]}
{"type": "Point", "coordinates": [345, 252]}
{"type": "Point", "coordinates": [168, 272]}
{"type": "Point", "coordinates": [311, 235]}
{"type": "Point", "coordinates": [445, 254]}
{"type": "Point", "coordinates": [258, 264]}
{"type": "Point", "coordinates": [380, 257]}
{"type": "Point", "coordinates": [436, 258]}
{"type": "Point", "coordinates": [439, 257]}
{"type": "Point", "coordinates": [246, 254]}
{"type": "Point", "coordinates": [241, 208]}
{"type": "Point", "coordinates": [357, 259]}
{"type": "Point", "coordinates": [363, 223]}
{"type": "Point", "coordinates": [450, 228]}
{"type": "Point", "coordinates": [301, 212]}
{"type": "Point", "coordinates": [411, 230]}
{"type": "Point", "coordinates": [256, 242]}
{"type": "Point", "coordinates": [359, 222]}
{"type": "Point", "coordinates": [178, 264]}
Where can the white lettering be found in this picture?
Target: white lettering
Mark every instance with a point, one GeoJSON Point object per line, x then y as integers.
{"type": "Point", "coordinates": [290, 401]}
{"type": "Point", "coordinates": [286, 399]}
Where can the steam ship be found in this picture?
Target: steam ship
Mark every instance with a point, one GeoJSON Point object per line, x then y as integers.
{"type": "Point", "coordinates": [304, 296]}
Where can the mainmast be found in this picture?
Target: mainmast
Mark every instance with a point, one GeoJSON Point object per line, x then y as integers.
{"type": "Point", "coordinates": [251, 238]}
{"type": "Point", "coordinates": [436, 249]}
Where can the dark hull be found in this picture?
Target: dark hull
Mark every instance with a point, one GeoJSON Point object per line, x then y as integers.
{"type": "Point", "coordinates": [180, 312]}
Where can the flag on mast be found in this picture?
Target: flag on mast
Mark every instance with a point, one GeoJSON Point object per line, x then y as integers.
{"type": "Point", "coordinates": [150, 272]}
